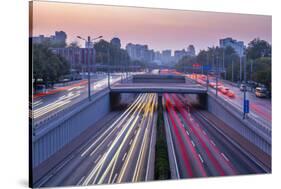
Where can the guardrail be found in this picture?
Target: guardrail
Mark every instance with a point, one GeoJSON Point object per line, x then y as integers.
{"type": "Point", "coordinates": [66, 110]}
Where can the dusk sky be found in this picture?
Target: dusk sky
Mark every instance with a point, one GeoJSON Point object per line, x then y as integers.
{"type": "Point", "coordinates": [158, 28]}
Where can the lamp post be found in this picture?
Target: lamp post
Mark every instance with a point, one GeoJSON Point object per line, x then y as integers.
{"type": "Point", "coordinates": [245, 86]}
{"type": "Point", "coordinates": [88, 47]}
{"type": "Point", "coordinates": [217, 72]}
{"type": "Point", "coordinates": [207, 82]}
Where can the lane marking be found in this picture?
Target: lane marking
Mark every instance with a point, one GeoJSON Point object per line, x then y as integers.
{"type": "Point", "coordinates": [97, 159]}
{"type": "Point", "coordinates": [200, 158]}
{"type": "Point", "coordinates": [192, 143]}
{"type": "Point", "coordinates": [109, 143]}
{"type": "Point", "coordinates": [114, 178]}
{"type": "Point", "coordinates": [124, 156]}
{"type": "Point", "coordinates": [204, 132]}
{"type": "Point", "coordinates": [224, 157]}
{"type": "Point", "coordinates": [187, 132]}
{"type": "Point", "coordinates": [80, 181]}
{"type": "Point", "coordinates": [213, 142]}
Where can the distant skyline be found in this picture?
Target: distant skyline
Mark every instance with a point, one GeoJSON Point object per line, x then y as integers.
{"type": "Point", "coordinates": [160, 29]}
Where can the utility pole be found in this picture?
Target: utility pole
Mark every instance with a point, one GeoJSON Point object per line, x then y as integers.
{"type": "Point", "coordinates": [207, 82]}
{"type": "Point", "coordinates": [217, 75]}
{"type": "Point", "coordinates": [223, 63]}
{"type": "Point", "coordinates": [89, 72]}
{"type": "Point", "coordinates": [240, 56]}
{"type": "Point", "coordinates": [245, 81]}
{"type": "Point", "coordinates": [108, 67]}
{"type": "Point", "coordinates": [232, 78]}
{"type": "Point", "coordinates": [87, 49]}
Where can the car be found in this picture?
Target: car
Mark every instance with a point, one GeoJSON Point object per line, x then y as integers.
{"type": "Point", "coordinates": [224, 90]}
{"type": "Point", "coordinates": [230, 94]}
{"type": "Point", "coordinates": [261, 92]}
{"type": "Point", "coordinates": [212, 84]}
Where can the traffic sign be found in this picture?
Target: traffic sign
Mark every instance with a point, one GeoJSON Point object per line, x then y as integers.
{"type": "Point", "coordinates": [246, 106]}
{"type": "Point", "coordinates": [206, 67]}
{"type": "Point", "coordinates": [196, 65]}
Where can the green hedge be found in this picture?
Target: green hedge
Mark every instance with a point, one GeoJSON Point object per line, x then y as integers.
{"type": "Point", "coordinates": [162, 168]}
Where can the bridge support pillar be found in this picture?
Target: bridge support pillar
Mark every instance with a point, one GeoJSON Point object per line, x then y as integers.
{"type": "Point", "coordinates": [115, 99]}
{"type": "Point", "coordinates": [202, 100]}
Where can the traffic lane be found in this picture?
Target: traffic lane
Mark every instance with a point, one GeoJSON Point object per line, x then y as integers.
{"type": "Point", "coordinates": [89, 156]}
{"type": "Point", "coordinates": [242, 163]}
{"type": "Point", "coordinates": [259, 105]}
{"type": "Point", "coordinates": [257, 112]}
{"type": "Point", "coordinates": [140, 171]}
{"type": "Point", "coordinates": [68, 99]}
{"type": "Point", "coordinates": [75, 161]}
{"type": "Point", "coordinates": [44, 100]}
{"type": "Point", "coordinates": [217, 158]}
{"type": "Point", "coordinates": [189, 159]}
{"type": "Point", "coordinates": [104, 173]}
{"type": "Point", "coordinates": [127, 166]}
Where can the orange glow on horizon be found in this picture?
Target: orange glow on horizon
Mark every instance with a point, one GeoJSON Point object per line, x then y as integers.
{"type": "Point", "coordinates": [159, 28]}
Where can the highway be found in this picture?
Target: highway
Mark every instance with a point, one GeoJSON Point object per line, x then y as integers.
{"type": "Point", "coordinates": [199, 149]}
{"type": "Point", "coordinates": [119, 152]}
{"type": "Point", "coordinates": [260, 108]}
{"type": "Point", "coordinates": [47, 105]}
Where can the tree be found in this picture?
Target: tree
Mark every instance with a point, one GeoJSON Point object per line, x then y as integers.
{"type": "Point", "coordinates": [185, 63]}
{"type": "Point", "coordinates": [261, 71]}
{"type": "Point", "coordinates": [74, 44]}
{"type": "Point", "coordinates": [107, 53]}
{"type": "Point", "coordinates": [48, 66]}
{"type": "Point", "coordinates": [258, 48]}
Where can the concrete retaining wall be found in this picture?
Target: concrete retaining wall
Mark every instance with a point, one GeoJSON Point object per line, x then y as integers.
{"type": "Point", "coordinates": [57, 134]}
{"type": "Point", "coordinates": [247, 128]}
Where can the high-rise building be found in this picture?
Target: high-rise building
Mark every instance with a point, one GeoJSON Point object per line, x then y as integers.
{"type": "Point", "coordinates": [140, 52]}
{"type": "Point", "coordinates": [191, 50]}
{"type": "Point", "coordinates": [58, 39]}
{"type": "Point", "coordinates": [238, 46]}
{"type": "Point", "coordinates": [166, 56]}
{"type": "Point", "coordinates": [178, 54]}
{"type": "Point", "coordinates": [77, 57]}
{"type": "Point", "coordinates": [116, 42]}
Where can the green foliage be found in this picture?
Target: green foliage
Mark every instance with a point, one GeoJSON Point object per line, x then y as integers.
{"type": "Point", "coordinates": [48, 66]}
{"type": "Point", "coordinates": [162, 167]}
{"type": "Point", "coordinates": [261, 71]}
{"type": "Point", "coordinates": [258, 48]}
{"type": "Point", "coordinates": [186, 62]}
{"type": "Point", "coordinates": [107, 53]}
{"type": "Point", "coordinates": [74, 44]}
{"type": "Point", "coordinates": [111, 55]}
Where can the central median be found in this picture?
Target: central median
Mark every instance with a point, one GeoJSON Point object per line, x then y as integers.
{"type": "Point", "coordinates": [162, 167]}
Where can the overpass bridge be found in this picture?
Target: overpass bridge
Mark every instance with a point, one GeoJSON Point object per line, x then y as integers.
{"type": "Point", "coordinates": [153, 83]}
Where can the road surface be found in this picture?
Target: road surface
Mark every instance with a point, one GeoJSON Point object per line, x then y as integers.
{"type": "Point", "coordinates": [199, 151]}
{"type": "Point", "coordinates": [119, 152]}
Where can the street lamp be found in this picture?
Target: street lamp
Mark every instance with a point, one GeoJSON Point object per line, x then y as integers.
{"type": "Point", "coordinates": [89, 40]}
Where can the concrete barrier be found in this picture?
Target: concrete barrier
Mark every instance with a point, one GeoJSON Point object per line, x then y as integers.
{"type": "Point", "coordinates": [50, 138]}
{"type": "Point", "coordinates": [248, 128]}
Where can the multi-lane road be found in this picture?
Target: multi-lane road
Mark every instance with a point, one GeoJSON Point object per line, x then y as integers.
{"type": "Point", "coordinates": [260, 108]}
{"type": "Point", "coordinates": [44, 106]}
{"type": "Point", "coordinates": [198, 151]}
{"type": "Point", "coordinates": [120, 151]}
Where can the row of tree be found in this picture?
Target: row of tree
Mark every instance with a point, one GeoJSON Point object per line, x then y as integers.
{"type": "Point", "coordinates": [48, 68]}
{"type": "Point", "coordinates": [257, 58]}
